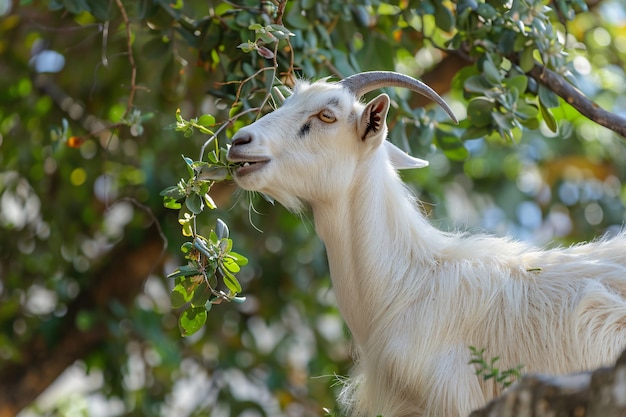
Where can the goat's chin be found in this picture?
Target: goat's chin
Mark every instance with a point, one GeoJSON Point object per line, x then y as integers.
{"type": "Point", "coordinates": [250, 181]}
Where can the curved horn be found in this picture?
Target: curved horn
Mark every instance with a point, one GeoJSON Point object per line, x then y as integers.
{"type": "Point", "coordinates": [365, 82]}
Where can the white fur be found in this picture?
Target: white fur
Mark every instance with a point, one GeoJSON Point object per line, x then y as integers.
{"type": "Point", "coordinates": [413, 297]}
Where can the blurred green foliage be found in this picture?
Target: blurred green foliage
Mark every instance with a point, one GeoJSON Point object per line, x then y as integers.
{"type": "Point", "coordinates": [89, 138]}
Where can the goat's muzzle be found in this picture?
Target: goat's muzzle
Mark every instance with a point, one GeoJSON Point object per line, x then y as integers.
{"type": "Point", "coordinates": [245, 161]}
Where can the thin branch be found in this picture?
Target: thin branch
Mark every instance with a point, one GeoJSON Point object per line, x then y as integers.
{"type": "Point", "coordinates": [578, 100]}
{"type": "Point", "coordinates": [131, 59]}
{"type": "Point", "coordinates": [281, 11]}
{"type": "Point", "coordinates": [105, 41]}
{"type": "Point", "coordinates": [223, 126]}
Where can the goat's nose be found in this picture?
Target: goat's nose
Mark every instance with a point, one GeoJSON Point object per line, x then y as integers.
{"type": "Point", "coordinates": [241, 140]}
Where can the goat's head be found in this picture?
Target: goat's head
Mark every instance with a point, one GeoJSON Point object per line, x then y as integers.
{"type": "Point", "coordinates": [309, 148]}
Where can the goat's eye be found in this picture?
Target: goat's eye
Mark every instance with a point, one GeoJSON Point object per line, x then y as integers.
{"type": "Point", "coordinates": [327, 116]}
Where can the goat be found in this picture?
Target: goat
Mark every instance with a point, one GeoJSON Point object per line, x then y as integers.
{"type": "Point", "coordinates": [415, 298]}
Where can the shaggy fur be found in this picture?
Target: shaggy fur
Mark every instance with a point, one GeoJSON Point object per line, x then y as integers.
{"type": "Point", "coordinates": [413, 297]}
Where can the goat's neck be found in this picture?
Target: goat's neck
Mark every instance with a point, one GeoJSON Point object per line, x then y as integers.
{"type": "Point", "coordinates": [374, 237]}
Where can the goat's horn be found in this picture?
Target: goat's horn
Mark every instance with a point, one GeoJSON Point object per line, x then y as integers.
{"type": "Point", "coordinates": [365, 82]}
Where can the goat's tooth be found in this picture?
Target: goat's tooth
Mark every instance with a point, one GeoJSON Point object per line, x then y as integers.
{"type": "Point", "coordinates": [246, 164]}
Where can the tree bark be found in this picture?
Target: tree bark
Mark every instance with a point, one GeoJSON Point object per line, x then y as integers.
{"type": "Point", "coordinates": [121, 278]}
{"type": "Point", "coordinates": [575, 98]}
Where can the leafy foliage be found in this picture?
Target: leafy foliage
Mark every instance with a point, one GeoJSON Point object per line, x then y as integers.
{"type": "Point", "coordinates": [209, 259]}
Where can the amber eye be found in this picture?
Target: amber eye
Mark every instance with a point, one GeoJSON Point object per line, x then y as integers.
{"type": "Point", "coordinates": [327, 116]}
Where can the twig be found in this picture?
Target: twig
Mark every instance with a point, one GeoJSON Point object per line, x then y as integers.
{"type": "Point", "coordinates": [281, 11]}
{"type": "Point", "coordinates": [577, 99]}
{"type": "Point", "coordinates": [131, 59]}
{"type": "Point", "coordinates": [223, 126]}
{"type": "Point", "coordinates": [105, 40]}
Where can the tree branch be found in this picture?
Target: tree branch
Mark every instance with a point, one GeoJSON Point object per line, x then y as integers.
{"type": "Point", "coordinates": [577, 99]}
{"type": "Point", "coordinates": [131, 59]}
{"type": "Point", "coordinates": [440, 78]}
{"type": "Point", "coordinates": [121, 277]}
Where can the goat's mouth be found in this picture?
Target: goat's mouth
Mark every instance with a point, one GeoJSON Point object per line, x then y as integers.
{"type": "Point", "coordinates": [247, 167]}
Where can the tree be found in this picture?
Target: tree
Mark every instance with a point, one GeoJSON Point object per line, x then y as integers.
{"type": "Point", "coordinates": [88, 141]}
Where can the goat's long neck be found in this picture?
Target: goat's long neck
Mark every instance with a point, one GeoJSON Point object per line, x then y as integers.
{"type": "Point", "coordinates": [374, 237]}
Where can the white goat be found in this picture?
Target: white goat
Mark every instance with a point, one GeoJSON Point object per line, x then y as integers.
{"type": "Point", "coordinates": [416, 298]}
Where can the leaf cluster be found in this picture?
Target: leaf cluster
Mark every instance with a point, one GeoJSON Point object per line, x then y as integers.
{"type": "Point", "coordinates": [508, 41]}
{"type": "Point", "coordinates": [209, 277]}
{"type": "Point", "coordinates": [488, 369]}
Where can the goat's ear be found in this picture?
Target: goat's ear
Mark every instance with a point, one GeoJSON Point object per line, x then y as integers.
{"type": "Point", "coordinates": [402, 160]}
{"type": "Point", "coordinates": [372, 124]}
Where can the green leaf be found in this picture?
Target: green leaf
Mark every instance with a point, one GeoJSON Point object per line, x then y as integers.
{"type": "Point", "coordinates": [524, 110]}
{"type": "Point", "coordinates": [548, 117]}
{"type": "Point", "coordinates": [226, 245]}
{"type": "Point", "coordinates": [519, 82]}
{"type": "Point", "coordinates": [194, 203]}
{"type": "Point", "coordinates": [186, 221]}
{"type": "Point", "coordinates": [240, 259]}
{"type": "Point", "coordinates": [457, 154]}
{"type": "Point", "coordinates": [171, 203]}
{"type": "Point", "coordinates": [548, 98]}
{"type": "Point", "coordinates": [192, 320]}
{"type": "Point", "coordinates": [186, 247]}
{"type": "Point", "coordinates": [200, 296]}
{"type": "Point", "coordinates": [526, 60]}
{"type": "Point", "coordinates": [451, 146]}
{"type": "Point", "coordinates": [475, 133]}
{"type": "Point", "coordinates": [221, 229]}
{"type": "Point", "coordinates": [184, 271]}
{"type": "Point", "coordinates": [506, 44]}
{"type": "Point", "coordinates": [479, 112]}
{"type": "Point", "coordinates": [231, 282]}
{"type": "Point", "coordinates": [206, 120]}
{"type": "Point", "coordinates": [444, 19]}
{"type": "Point", "coordinates": [280, 32]}
{"type": "Point", "coordinates": [487, 11]}
{"type": "Point", "coordinates": [173, 192]}
{"type": "Point", "coordinates": [179, 296]}
{"type": "Point", "coordinates": [209, 201]}
{"type": "Point", "coordinates": [505, 124]}
{"type": "Point", "coordinates": [189, 163]}
{"type": "Point", "coordinates": [477, 84]}
{"type": "Point", "coordinates": [246, 46]}
{"type": "Point", "coordinates": [296, 19]}
{"type": "Point", "coordinates": [213, 173]}
{"type": "Point", "coordinates": [360, 15]}
{"type": "Point", "coordinates": [503, 121]}
{"type": "Point", "coordinates": [492, 73]}
{"type": "Point", "coordinates": [199, 244]}
{"type": "Point", "coordinates": [231, 265]}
